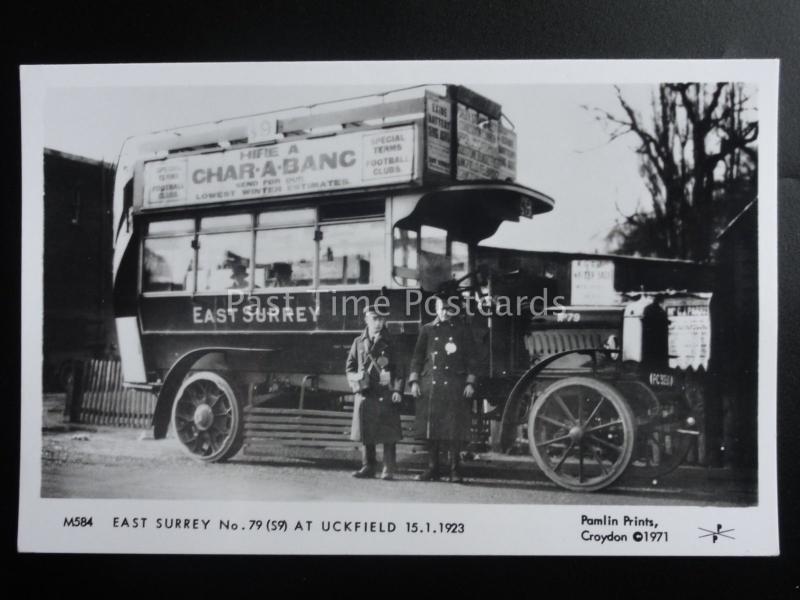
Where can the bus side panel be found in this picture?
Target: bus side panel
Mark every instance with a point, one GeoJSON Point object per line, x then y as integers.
{"type": "Point", "coordinates": [308, 334]}
{"type": "Point", "coordinates": [288, 312]}
{"type": "Point", "coordinates": [315, 354]}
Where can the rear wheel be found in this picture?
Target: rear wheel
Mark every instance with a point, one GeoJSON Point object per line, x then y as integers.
{"type": "Point", "coordinates": [581, 433]}
{"type": "Point", "coordinates": [664, 441]}
{"type": "Point", "coordinates": [207, 417]}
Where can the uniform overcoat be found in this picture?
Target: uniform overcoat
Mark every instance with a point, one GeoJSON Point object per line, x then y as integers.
{"type": "Point", "coordinates": [371, 363]}
{"type": "Point", "coordinates": [443, 363]}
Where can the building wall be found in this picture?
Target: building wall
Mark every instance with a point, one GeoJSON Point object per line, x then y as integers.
{"type": "Point", "coordinates": [735, 331]}
{"type": "Point", "coordinates": [78, 320]}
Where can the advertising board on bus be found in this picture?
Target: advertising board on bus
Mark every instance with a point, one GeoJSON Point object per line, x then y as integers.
{"type": "Point", "coordinates": [345, 161]}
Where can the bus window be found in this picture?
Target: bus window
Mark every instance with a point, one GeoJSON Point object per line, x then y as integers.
{"type": "Point", "coordinates": [168, 227]}
{"type": "Point", "coordinates": [224, 258]}
{"type": "Point", "coordinates": [287, 218]}
{"type": "Point", "coordinates": [285, 257]}
{"type": "Point", "coordinates": [434, 264]}
{"type": "Point", "coordinates": [433, 240]}
{"type": "Point", "coordinates": [440, 261]}
{"type": "Point", "coordinates": [459, 258]}
{"type": "Point", "coordinates": [404, 251]}
{"type": "Point", "coordinates": [285, 248]}
{"type": "Point", "coordinates": [241, 221]}
{"type": "Point", "coordinates": [352, 253]}
{"type": "Point", "coordinates": [168, 264]}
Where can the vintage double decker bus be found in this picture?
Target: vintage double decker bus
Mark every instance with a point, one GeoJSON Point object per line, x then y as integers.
{"type": "Point", "coordinates": [245, 250]}
{"type": "Point", "coordinates": [242, 247]}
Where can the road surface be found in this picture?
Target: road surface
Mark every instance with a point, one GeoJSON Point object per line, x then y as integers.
{"type": "Point", "coordinates": [123, 463]}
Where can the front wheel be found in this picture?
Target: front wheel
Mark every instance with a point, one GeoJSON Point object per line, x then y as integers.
{"type": "Point", "coordinates": [581, 433]}
{"type": "Point", "coordinates": [207, 417]}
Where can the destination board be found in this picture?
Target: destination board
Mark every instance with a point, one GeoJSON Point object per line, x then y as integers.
{"type": "Point", "coordinates": [486, 149]}
{"type": "Point", "coordinates": [438, 132]}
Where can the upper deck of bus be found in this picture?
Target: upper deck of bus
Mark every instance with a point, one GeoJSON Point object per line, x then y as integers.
{"type": "Point", "coordinates": [438, 156]}
{"type": "Point", "coordinates": [421, 137]}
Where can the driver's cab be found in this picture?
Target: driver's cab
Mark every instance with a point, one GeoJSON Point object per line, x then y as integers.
{"type": "Point", "coordinates": [427, 257]}
{"type": "Point", "coordinates": [434, 239]}
{"type": "Point", "coordinates": [434, 233]}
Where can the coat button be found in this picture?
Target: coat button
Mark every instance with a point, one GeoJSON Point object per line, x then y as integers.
{"type": "Point", "coordinates": [434, 367]}
{"type": "Point", "coordinates": [445, 383]}
{"type": "Point", "coordinates": [434, 382]}
{"type": "Point", "coordinates": [436, 339]}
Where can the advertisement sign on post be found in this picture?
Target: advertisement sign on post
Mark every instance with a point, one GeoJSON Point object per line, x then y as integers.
{"type": "Point", "coordinates": [593, 283]}
{"type": "Point", "coordinates": [689, 331]}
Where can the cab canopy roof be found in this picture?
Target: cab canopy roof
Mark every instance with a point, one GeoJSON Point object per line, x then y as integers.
{"type": "Point", "coordinates": [474, 211]}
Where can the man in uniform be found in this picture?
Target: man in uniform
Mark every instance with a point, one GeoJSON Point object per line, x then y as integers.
{"type": "Point", "coordinates": [444, 363]}
{"type": "Point", "coordinates": [372, 375]}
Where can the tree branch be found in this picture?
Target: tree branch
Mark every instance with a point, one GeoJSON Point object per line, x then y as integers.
{"type": "Point", "coordinates": [712, 106]}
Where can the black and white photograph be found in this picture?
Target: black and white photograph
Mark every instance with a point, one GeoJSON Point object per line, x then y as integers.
{"type": "Point", "coordinates": [277, 306]}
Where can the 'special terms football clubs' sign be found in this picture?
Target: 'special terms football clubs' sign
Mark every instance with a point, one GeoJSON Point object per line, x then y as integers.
{"type": "Point", "coordinates": [359, 159]}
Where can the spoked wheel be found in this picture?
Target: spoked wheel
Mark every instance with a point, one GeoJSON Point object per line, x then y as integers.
{"type": "Point", "coordinates": [664, 442]}
{"type": "Point", "coordinates": [581, 433]}
{"type": "Point", "coordinates": [663, 450]}
{"type": "Point", "coordinates": [207, 417]}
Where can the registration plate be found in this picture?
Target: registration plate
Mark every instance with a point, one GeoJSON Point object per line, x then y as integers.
{"type": "Point", "coordinates": [662, 379]}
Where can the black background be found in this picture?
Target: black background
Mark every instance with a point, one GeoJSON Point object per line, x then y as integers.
{"type": "Point", "coordinates": [77, 32]}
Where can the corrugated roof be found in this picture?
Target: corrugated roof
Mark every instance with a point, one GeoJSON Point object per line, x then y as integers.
{"type": "Point", "coordinates": [77, 158]}
{"type": "Point", "coordinates": [595, 256]}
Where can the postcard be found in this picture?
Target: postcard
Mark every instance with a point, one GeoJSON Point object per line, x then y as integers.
{"type": "Point", "coordinates": [417, 308]}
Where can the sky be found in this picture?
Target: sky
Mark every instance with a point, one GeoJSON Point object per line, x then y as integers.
{"type": "Point", "coordinates": [562, 150]}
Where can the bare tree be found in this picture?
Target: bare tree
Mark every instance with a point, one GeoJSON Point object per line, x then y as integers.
{"type": "Point", "coordinates": [698, 161]}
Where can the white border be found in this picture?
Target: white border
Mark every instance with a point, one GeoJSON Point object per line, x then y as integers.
{"type": "Point", "coordinates": [490, 529]}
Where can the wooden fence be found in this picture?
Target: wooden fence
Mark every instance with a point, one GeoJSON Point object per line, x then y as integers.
{"type": "Point", "coordinates": [100, 399]}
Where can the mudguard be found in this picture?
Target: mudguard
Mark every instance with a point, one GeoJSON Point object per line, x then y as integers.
{"type": "Point", "coordinates": [509, 420]}
{"type": "Point", "coordinates": [176, 375]}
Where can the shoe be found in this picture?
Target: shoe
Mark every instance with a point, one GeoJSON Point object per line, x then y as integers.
{"type": "Point", "coordinates": [427, 475]}
{"type": "Point", "coordinates": [389, 462]}
{"type": "Point", "coordinates": [455, 462]}
{"type": "Point", "coordinates": [364, 473]}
